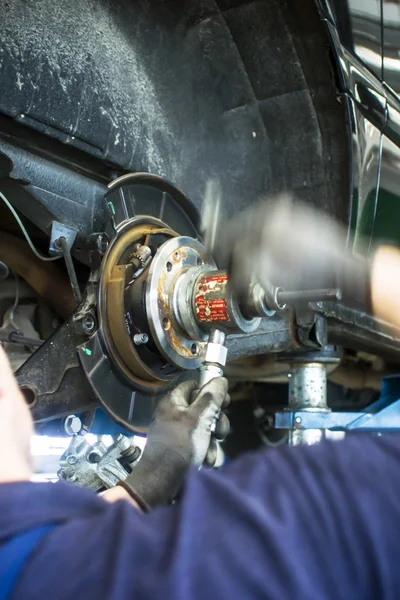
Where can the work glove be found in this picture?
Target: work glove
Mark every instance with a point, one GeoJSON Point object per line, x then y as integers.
{"type": "Point", "coordinates": [180, 435]}
{"type": "Point", "coordinates": [290, 245]}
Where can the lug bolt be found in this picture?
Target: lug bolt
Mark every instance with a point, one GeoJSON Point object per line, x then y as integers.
{"type": "Point", "coordinates": [140, 338]}
{"type": "Point", "coordinates": [67, 473]}
{"type": "Point", "coordinates": [102, 242]}
{"type": "Point", "coordinates": [88, 324]}
{"type": "Point", "coordinates": [72, 425]}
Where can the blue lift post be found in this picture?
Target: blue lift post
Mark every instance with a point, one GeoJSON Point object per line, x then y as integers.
{"type": "Point", "coordinates": [381, 416]}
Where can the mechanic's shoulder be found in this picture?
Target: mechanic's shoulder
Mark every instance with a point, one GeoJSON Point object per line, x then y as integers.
{"type": "Point", "coordinates": [27, 504]}
{"type": "Point", "coordinates": [77, 558]}
{"type": "Point", "coordinates": [356, 448]}
{"type": "Point", "coordinates": [360, 457]}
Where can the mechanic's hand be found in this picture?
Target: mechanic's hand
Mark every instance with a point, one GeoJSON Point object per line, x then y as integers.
{"type": "Point", "coordinates": [293, 246]}
{"type": "Point", "coordinates": [180, 435]}
{"type": "Point", "coordinates": [117, 493]}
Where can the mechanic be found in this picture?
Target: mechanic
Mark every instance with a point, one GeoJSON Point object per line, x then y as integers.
{"type": "Point", "coordinates": [314, 522]}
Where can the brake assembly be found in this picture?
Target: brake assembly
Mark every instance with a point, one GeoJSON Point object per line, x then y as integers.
{"type": "Point", "coordinates": [154, 296]}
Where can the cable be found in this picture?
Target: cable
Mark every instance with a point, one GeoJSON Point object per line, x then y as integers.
{"type": "Point", "coordinates": [70, 268]}
{"type": "Point", "coordinates": [3, 270]}
{"type": "Point", "coordinates": [13, 337]}
{"type": "Point", "coordinates": [16, 301]}
{"type": "Point", "coordinates": [24, 231]}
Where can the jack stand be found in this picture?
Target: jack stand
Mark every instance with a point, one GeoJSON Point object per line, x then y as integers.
{"type": "Point", "coordinates": [382, 416]}
{"type": "Point", "coordinates": [308, 390]}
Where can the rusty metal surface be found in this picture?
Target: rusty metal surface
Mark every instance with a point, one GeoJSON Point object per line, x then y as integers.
{"type": "Point", "coordinates": [216, 306]}
{"type": "Point", "coordinates": [44, 277]}
{"type": "Point", "coordinates": [173, 260]}
{"type": "Point", "coordinates": [112, 310]}
{"type": "Point", "coordinates": [210, 299]}
{"type": "Point", "coordinates": [165, 309]}
{"type": "Point", "coordinates": [116, 321]}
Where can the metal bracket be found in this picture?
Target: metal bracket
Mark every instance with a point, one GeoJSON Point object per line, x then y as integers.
{"type": "Point", "coordinates": [60, 230]}
{"type": "Point", "coordinates": [96, 466]}
{"type": "Point", "coordinates": [377, 417]}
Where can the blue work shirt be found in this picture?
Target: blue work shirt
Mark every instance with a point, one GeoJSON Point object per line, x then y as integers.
{"type": "Point", "coordinates": [306, 523]}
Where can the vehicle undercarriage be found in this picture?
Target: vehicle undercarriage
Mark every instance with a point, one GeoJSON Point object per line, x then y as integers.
{"type": "Point", "coordinates": [123, 126]}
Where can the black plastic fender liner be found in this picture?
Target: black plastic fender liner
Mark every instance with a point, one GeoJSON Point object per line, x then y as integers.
{"type": "Point", "coordinates": [238, 91]}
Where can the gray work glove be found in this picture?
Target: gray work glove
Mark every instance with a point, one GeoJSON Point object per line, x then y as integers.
{"type": "Point", "coordinates": [180, 435]}
{"type": "Point", "coordinates": [293, 246]}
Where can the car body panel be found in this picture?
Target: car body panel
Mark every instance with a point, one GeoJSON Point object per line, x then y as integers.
{"type": "Point", "coordinates": [391, 44]}
{"type": "Point", "coordinates": [387, 217]}
{"type": "Point", "coordinates": [366, 42]}
{"type": "Point", "coordinates": [358, 23]}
